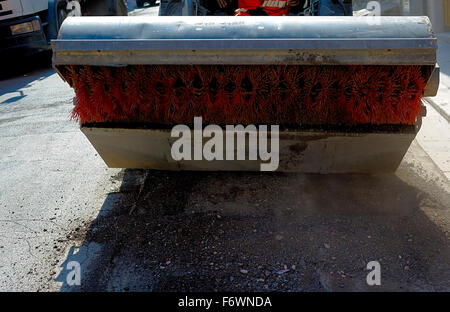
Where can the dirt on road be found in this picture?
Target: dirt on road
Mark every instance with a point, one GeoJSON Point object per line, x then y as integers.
{"type": "Point", "coordinates": [194, 231]}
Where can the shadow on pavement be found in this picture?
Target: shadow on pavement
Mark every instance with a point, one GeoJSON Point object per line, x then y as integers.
{"type": "Point", "coordinates": [203, 231]}
{"type": "Point", "coordinates": [20, 66]}
{"type": "Point", "coordinates": [17, 74]}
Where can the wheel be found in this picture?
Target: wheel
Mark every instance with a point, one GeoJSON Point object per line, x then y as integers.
{"type": "Point", "coordinates": [139, 3]}
{"type": "Point", "coordinates": [152, 2]}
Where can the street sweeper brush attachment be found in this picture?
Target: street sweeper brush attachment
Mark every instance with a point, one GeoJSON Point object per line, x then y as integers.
{"type": "Point", "coordinates": [293, 96]}
{"type": "Point", "coordinates": [341, 77]}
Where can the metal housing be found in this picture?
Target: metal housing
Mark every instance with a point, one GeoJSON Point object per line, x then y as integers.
{"type": "Point", "coordinates": [321, 40]}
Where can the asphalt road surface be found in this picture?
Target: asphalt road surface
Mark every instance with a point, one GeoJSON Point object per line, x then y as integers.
{"type": "Point", "coordinates": [168, 231]}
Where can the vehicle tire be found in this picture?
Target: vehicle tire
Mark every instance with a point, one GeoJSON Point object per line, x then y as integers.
{"type": "Point", "coordinates": [152, 2]}
{"type": "Point", "coordinates": [139, 3]}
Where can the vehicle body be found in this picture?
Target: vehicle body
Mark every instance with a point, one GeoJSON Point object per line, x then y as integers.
{"type": "Point", "coordinates": [28, 26]}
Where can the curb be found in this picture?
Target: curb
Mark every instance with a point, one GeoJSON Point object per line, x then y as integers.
{"type": "Point", "coordinates": [439, 109]}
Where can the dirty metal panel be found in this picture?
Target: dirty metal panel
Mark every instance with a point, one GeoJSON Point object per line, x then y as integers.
{"type": "Point", "coordinates": [311, 152]}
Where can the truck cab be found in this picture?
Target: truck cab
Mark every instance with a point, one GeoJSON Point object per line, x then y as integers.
{"type": "Point", "coordinates": [24, 26]}
{"type": "Point", "coordinates": [28, 26]}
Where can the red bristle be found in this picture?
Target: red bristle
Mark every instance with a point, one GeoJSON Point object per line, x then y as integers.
{"type": "Point", "coordinates": [185, 95]}
{"type": "Point", "coordinates": [134, 93]}
{"type": "Point", "coordinates": [202, 96]}
{"type": "Point", "coordinates": [316, 95]}
{"type": "Point", "coordinates": [83, 108]}
{"type": "Point", "coordinates": [126, 77]}
{"type": "Point", "coordinates": [217, 109]}
{"type": "Point", "coordinates": [232, 94]}
{"type": "Point", "coordinates": [151, 108]}
{"type": "Point", "coordinates": [98, 95]}
{"type": "Point", "coordinates": [360, 109]}
{"type": "Point", "coordinates": [248, 87]}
